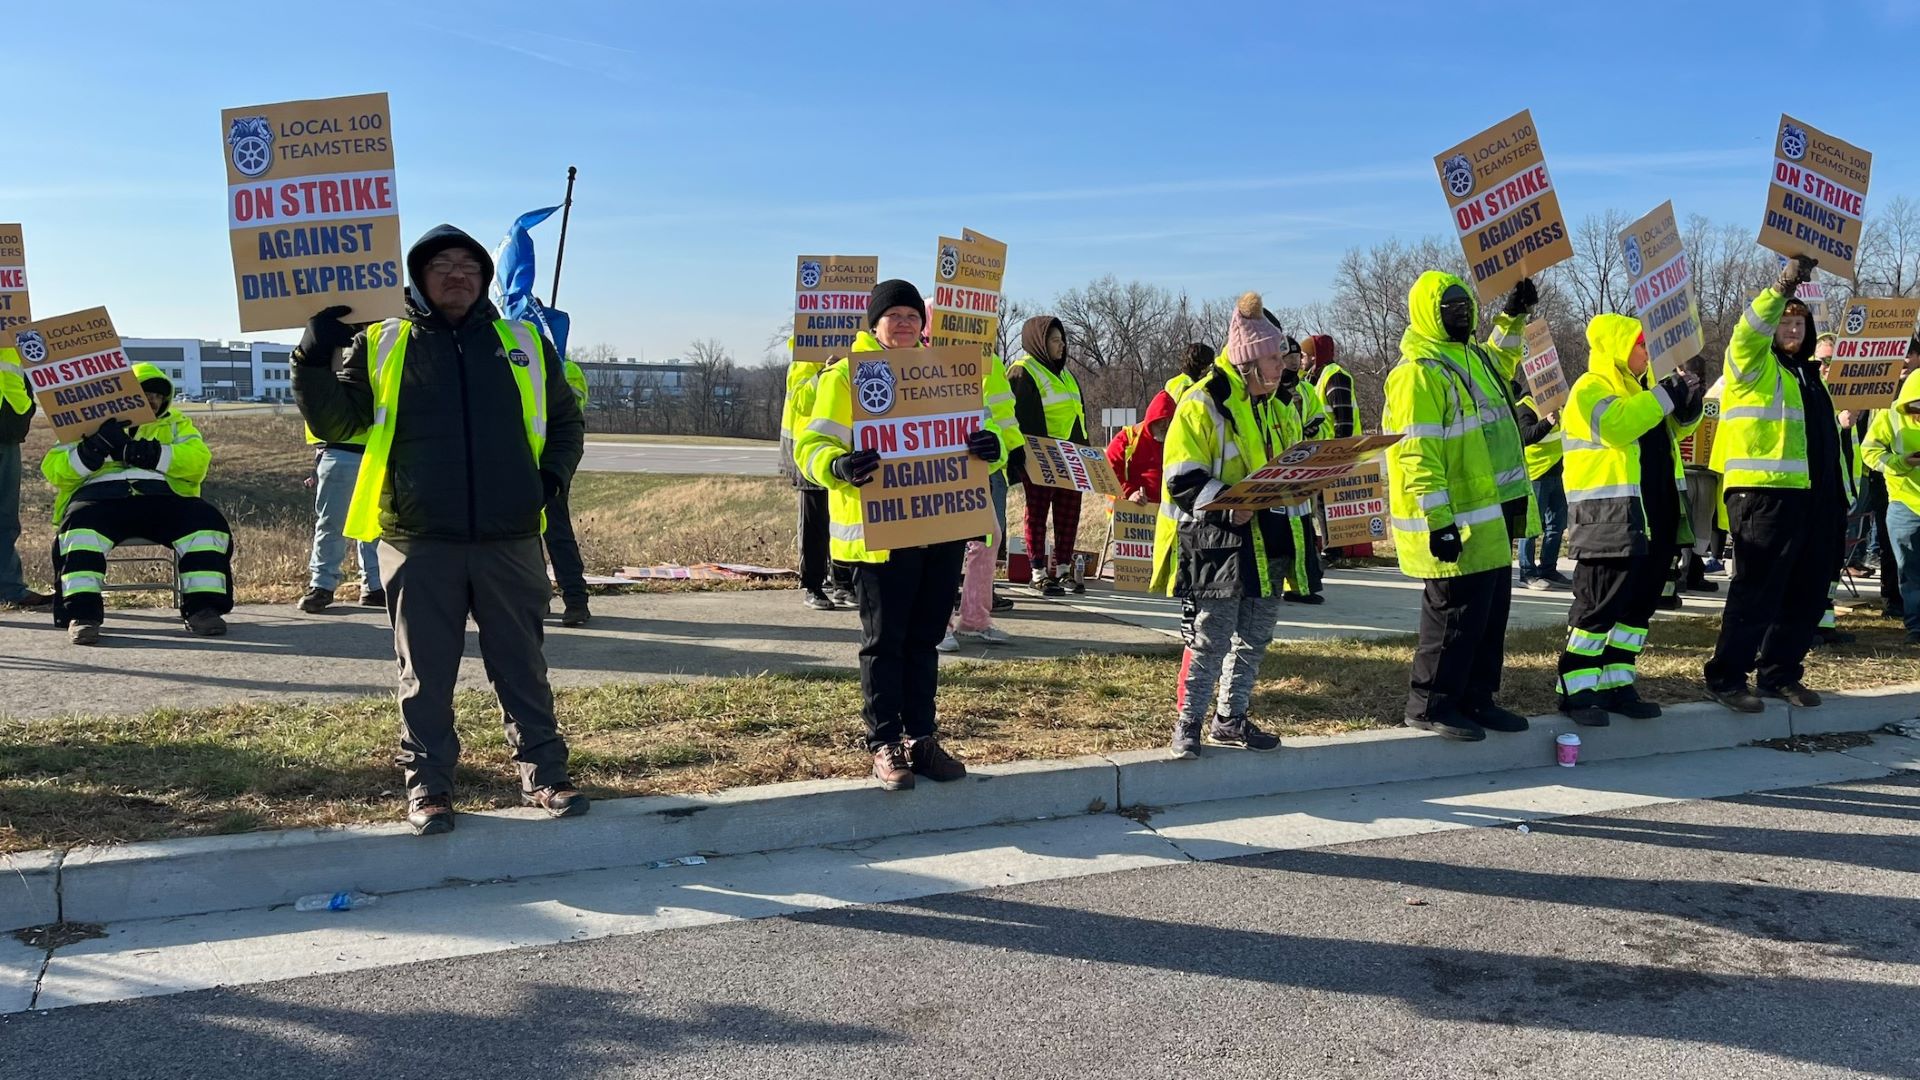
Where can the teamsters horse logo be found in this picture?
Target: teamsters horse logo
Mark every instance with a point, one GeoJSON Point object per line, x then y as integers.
{"type": "Point", "coordinates": [809, 275]}
{"type": "Point", "coordinates": [33, 347]}
{"type": "Point", "coordinates": [873, 380]}
{"type": "Point", "coordinates": [1793, 142]}
{"type": "Point", "coordinates": [1635, 264]}
{"type": "Point", "coordinates": [250, 140]}
{"type": "Point", "coordinates": [1459, 174]}
{"type": "Point", "coordinates": [1856, 319]}
{"type": "Point", "coordinates": [949, 261]}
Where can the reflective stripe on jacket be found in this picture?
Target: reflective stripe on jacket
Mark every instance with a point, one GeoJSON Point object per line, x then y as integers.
{"type": "Point", "coordinates": [1607, 412]}
{"type": "Point", "coordinates": [184, 456]}
{"type": "Point", "coordinates": [1762, 438]}
{"type": "Point", "coordinates": [1059, 397]}
{"type": "Point", "coordinates": [1893, 435]}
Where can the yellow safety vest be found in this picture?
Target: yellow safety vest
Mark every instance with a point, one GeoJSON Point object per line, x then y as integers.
{"type": "Point", "coordinates": [1353, 391]}
{"type": "Point", "coordinates": [1544, 455]}
{"type": "Point", "coordinates": [1059, 396]}
{"type": "Point", "coordinates": [386, 354]}
{"type": "Point", "coordinates": [1762, 438]}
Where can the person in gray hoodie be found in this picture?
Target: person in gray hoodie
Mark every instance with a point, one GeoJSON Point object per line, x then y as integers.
{"type": "Point", "coordinates": [471, 427]}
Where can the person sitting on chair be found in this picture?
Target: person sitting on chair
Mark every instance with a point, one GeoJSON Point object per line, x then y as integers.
{"type": "Point", "coordinates": [123, 482]}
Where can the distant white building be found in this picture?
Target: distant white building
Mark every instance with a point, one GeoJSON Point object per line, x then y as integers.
{"type": "Point", "coordinates": [235, 371]}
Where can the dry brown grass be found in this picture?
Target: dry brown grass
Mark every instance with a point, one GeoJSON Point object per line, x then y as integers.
{"type": "Point", "coordinates": [247, 767]}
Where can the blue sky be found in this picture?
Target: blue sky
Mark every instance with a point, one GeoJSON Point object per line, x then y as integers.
{"type": "Point", "coordinates": [1207, 146]}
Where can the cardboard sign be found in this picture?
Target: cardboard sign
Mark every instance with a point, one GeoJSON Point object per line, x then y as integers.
{"type": "Point", "coordinates": [1133, 525]}
{"type": "Point", "coordinates": [1503, 205]}
{"type": "Point", "coordinates": [965, 306]}
{"type": "Point", "coordinates": [1697, 448]}
{"type": "Point", "coordinates": [1663, 289]}
{"type": "Point", "coordinates": [79, 374]}
{"type": "Point", "coordinates": [311, 210]}
{"type": "Point", "coordinates": [14, 309]}
{"type": "Point", "coordinates": [917, 407]}
{"type": "Point", "coordinates": [1540, 363]}
{"type": "Point", "coordinates": [1300, 470]}
{"type": "Point", "coordinates": [1357, 507]}
{"type": "Point", "coordinates": [1816, 196]}
{"type": "Point", "coordinates": [1872, 350]}
{"type": "Point", "coordinates": [830, 294]}
{"type": "Point", "coordinates": [1814, 295]}
{"type": "Point", "coordinates": [1058, 463]}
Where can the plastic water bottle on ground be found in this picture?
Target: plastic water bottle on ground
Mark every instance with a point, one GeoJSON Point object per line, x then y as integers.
{"type": "Point", "coordinates": [339, 901]}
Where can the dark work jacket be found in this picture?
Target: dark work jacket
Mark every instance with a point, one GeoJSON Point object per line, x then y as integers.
{"type": "Point", "coordinates": [460, 467]}
{"type": "Point", "coordinates": [14, 425]}
{"type": "Point", "coordinates": [1215, 559]}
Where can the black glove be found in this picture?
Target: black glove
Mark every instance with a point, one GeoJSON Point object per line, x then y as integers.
{"type": "Point", "coordinates": [550, 484]}
{"type": "Point", "coordinates": [1682, 388]}
{"type": "Point", "coordinates": [1445, 544]}
{"type": "Point", "coordinates": [984, 445]}
{"type": "Point", "coordinates": [1798, 269]}
{"type": "Point", "coordinates": [1522, 299]}
{"type": "Point", "coordinates": [326, 334]}
{"type": "Point", "coordinates": [855, 468]}
{"type": "Point", "coordinates": [114, 435]}
{"type": "Point", "coordinates": [1017, 465]}
{"type": "Point", "coordinates": [93, 451]}
{"type": "Point", "coordinates": [142, 454]}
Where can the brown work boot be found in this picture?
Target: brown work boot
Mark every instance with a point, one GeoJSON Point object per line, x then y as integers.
{"type": "Point", "coordinates": [562, 801]}
{"type": "Point", "coordinates": [430, 815]}
{"type": "Point", "coordinates": [931, 760]}
{"type": "Point", "coordinates": [891, 769]}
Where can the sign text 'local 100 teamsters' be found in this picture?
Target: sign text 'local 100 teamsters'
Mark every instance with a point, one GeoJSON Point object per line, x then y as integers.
{"type": "Point", "coordinates": [830, 294]}
{"type": "Point", "coordinates": [79, 374]}
{"type": "Point", "coordinates": [1816, 197]}
{"type": "Point", "coordinates": [1871, 351]}
{"type": "Point", "coordinates": [1357, 507]}
{"type": "Point", "coordinates": [916, 407]}
{"type": "Point", "coordinates": [14, 308]}
{"type": "Point", "coordinates": [311, 210]}
{"type": "Point", "coordinates": [1663, 289]}
{"type": "Point", "coordinates": [1504, 206]}
{"type": "Point", "coordinates": [965, 305]}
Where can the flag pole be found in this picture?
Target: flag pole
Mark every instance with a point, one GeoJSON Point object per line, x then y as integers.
{"type": "Point", "coordinates": [566, 211]}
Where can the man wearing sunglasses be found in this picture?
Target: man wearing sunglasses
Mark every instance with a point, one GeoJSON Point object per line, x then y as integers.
{"type": "Point", "coordinates": [471, 428]}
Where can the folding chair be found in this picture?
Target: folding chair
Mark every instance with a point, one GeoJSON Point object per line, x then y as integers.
{"type": "Point", "coordinates": [166, 556]}
{"type": "Point", "coordinates": [1853, 545]}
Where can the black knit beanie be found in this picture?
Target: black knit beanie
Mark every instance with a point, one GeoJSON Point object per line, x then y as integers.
{"type": "Point", "coordinates": [893, 293]}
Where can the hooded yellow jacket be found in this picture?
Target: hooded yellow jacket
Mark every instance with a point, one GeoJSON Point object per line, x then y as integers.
{"type": "Point", "coordinates": [1890, 439]}
{"type": "Point", "coordinates": [1607, 412]}
{"type": "Point", "coordinates": [184, 456]}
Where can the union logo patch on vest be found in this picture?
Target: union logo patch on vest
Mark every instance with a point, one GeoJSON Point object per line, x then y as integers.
{"type": "Point", "coordinates": [519, 358]}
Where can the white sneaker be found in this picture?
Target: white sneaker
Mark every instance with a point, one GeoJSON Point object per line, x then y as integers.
{"type": "Point", "coordinates": [949, 643]}
{"type": "Point", "coordinates": [992, 635]}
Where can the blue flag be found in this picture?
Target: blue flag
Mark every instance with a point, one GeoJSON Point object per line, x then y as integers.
{"type": "Point", "coordinates": [514, 277]}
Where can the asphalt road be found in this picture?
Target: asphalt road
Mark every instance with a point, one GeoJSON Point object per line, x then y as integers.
{"type": "Point", "coordinates": [1767, 935]}
{"type": "Point", "coordinates": [729, 459]}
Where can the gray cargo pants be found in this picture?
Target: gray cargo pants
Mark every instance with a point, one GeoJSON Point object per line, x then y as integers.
{"type": "Point", "coordinates": [432, 586]}
{"type": "Point", "coordinates": [1226, 640]}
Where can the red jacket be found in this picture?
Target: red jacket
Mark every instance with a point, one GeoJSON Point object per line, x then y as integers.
{"type": "Point", "coordinates": [1135, 457]}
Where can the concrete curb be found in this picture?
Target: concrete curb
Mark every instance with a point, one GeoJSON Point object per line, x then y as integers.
{"type": "Point", "coordinates": [224, 873]}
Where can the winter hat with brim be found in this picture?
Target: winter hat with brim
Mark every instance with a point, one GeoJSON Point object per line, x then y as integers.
{"type": "Point", "coordinates": [893, 293]}
{"type": "Point", "coordinates": [1250, 336]}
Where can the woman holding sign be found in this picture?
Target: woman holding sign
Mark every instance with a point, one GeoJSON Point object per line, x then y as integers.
{"type": "Point", "coordinates": [1226, 566]}
{"type": "Point", "coordinates": [906, 594]}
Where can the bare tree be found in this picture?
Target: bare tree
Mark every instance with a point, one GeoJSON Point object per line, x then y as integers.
{"type": "Point", "coordinates": [1889, 256]}
{"type": "Point", "coordinates": [599, 352]}
{"type": "Point", "coordinates": [711, 386]}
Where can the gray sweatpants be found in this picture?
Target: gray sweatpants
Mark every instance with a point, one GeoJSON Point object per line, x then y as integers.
{"type": "Point", "coordinates": [432, 586]}
{"type": "Point", "coordinates": [1225, 640]}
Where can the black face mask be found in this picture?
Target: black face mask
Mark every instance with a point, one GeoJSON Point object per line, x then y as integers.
{"type": "Point", "coordinates": [1289, 380]}
{"type": "Point", "coordinates": [1456, 314]}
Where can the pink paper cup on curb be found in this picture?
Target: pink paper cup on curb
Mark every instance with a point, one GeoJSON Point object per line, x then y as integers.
{"type": "Point", "coordinates": [1567, 749]}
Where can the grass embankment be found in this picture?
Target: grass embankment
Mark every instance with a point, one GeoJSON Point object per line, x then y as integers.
{"type": "Point", "coordinates": [260, 465]}
{"type": "Point", "coordinates": [247, 767]}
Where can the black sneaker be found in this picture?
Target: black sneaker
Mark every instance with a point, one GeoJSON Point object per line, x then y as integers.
{"type": "Point", "coordinates": [842, 596]}
{"type": "Point", "coordinates": [1001, 603]}
{"type": "Point", "coordinates": [430, 815]}
{"type": "Point", "coordinates": [373, 597]}
{"type": "Point", "coordinates": [1186, 741]}
{"type": "Point", "coordinates": [316, 601]}
{"type": "Point", "coordinates": [1627, 702]}
{"type": "Point", "coordinates": [1494, 718]}
{"type": "Point", "coordinates": [1075, 586]}
{"type": "Point", "coordinates": [1738, 698]}
{"type": "Point", "coordinates": [575, 613]}
{"type": "Point", "coordinates": [817, 600]}
{"type": "Point", "coordinates": [1556, 579]}
{"type": "Point", "coordinates": [1449, 726]}
{"type": "Point", "coordinates": [1793, 693]}
{"type": "Point", "coordinates": [1240, 731]}
{"type": "Point", "coordinates": [1049, 587]}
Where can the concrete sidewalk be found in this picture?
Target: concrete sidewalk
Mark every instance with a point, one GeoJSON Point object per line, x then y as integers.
{"type": "Point", "coordinates": [146, 660]}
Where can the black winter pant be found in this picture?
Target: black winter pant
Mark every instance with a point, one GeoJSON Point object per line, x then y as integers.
{"type": "Point", "coordinates": [904, 606]}
{"type": "Point", "coordinates": [1787, 547]}
{"type": "Point", "coordinates": [194, 528]}
{"type": "Point", "coordinates": [569, 570]}
{"type": "Point", "coordinates": [1463, 631]}
{"type": "Point", "coordinates": [817, 569]}
{"type": "Point", "coordinates": [1613, 605]}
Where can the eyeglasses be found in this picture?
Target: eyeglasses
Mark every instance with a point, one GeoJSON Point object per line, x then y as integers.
{"type": "Point", "coordinates": [449, 267]}
{"type": "Point", "coordinates": [903, 316]}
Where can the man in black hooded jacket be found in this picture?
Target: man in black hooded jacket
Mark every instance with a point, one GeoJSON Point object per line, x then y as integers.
{"type": "Point", "coordinates": [453, 488]}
